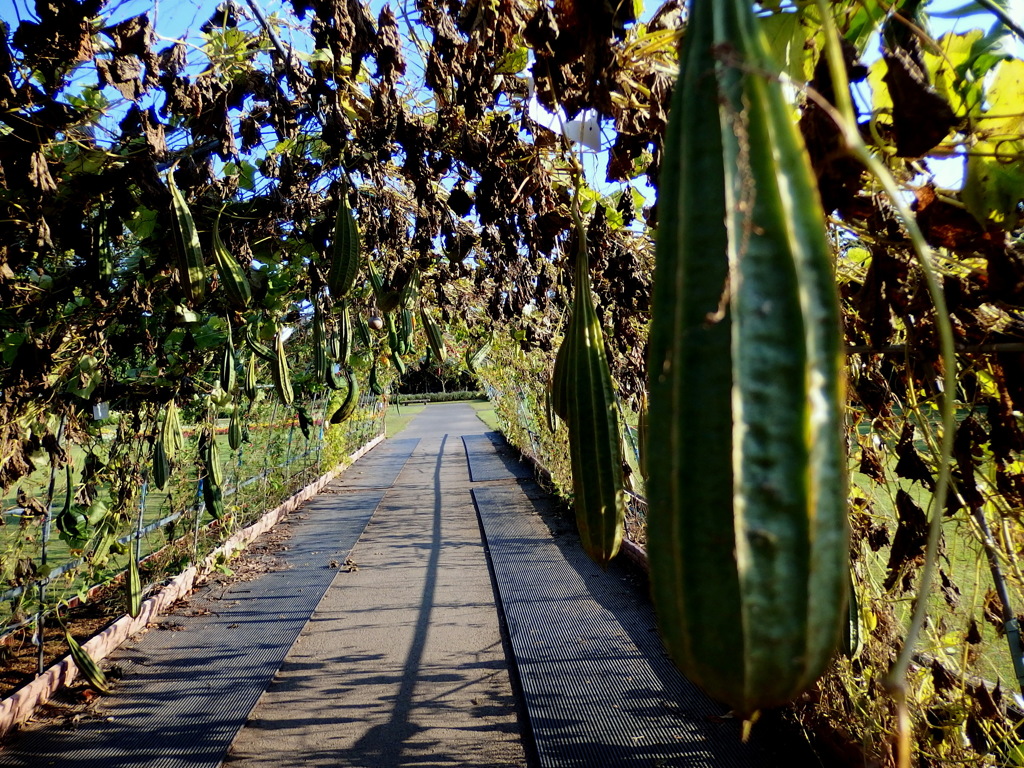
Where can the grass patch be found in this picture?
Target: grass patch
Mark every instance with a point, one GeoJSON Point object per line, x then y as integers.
{"type": "Point", "coordinates": [485, 412]}
{"type": "Point", "coordinates": [399, 416]}
{"type": "Point", "coordinates": [276, 446]}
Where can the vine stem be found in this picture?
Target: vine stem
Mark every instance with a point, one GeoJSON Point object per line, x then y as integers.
{"type": "Point", "coordinates": [845, 120]}
{"type": "Point", "coordinates": [1003, 16]}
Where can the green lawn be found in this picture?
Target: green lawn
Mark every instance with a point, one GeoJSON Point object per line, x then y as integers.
{"type": "Point", "coordinates": [399, 416]}
{"type": "Point", "coordinates": [485, 412]}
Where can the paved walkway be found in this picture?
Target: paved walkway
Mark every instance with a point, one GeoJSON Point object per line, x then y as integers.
{"type": "Point", "coordinates": [402, 663]}
{"type": "Point", "coordinates": [433, 611]}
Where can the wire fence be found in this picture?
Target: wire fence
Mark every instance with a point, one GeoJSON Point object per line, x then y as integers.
{"type": "Point", "coordinates": [519, 410]}
{"type": "Point", "coordinates": [48, 565]}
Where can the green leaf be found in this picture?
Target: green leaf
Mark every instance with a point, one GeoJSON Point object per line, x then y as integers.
{"type": "Point", "coordinates": [87, 161]}
{"type": "Point", "coordinates": [142, 223]}
{"type": "Point", "coordinates": [786, 38]}
{"type": "Point", "coordinates": [881, 101]}
{"type": "Point", "coordinates": [639, 201]}
{"type": "Point", "coordinates": [1004, 118]}
{"type": "Point", "coordinates": [858, 255]}
{"type": "Point", "coordinates": [864, 21]}
{"type": "Point", "coordinates": [185, 315]}
{"type": "Point", "coordinates": [97, 512]}
{"type": "Point", "coordinates": [11, 344]}
{"type": "Point", "coordinates": [613, 216]}
{"type": "Point", "coordinates": [210, 334]}
{"type": "Point", "coordinates": [321, 56]}
{"type": "Point", "coordinates": [994, 186]}
{"type": "Point", "coordinates": [247, 176]}
{"type": "Point", "coordinates": [513, 61]}
{"type": "Point", "coordinates": [948, 70]}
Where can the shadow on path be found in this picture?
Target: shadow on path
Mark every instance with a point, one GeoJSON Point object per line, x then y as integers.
{"type": "Point", "coordinates": [384, 744]}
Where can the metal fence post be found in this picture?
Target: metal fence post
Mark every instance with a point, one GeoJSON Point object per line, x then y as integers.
{"type": "Point", "coordinates": [266, 457]}
{"type": "Point", "coordinates": [137, 549]}
{"type": "Point", "coordinates": [47, 518]}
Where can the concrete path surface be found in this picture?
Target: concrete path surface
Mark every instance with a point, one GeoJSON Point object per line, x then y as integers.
{"type": "Point", "coordinates": [402, 662]}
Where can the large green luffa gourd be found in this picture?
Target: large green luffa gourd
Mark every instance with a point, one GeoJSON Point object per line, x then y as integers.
{"type": "Point", "coordinates": [747, 537]}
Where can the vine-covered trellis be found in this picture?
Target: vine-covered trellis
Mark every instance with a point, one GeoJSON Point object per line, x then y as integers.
{"type": "Point", "coordinates": [417, 118]}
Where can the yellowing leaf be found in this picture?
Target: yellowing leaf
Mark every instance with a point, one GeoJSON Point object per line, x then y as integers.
{"type": "Point", "coordinates": [994, 189]}
{"type": "Point", "coordinates": [1004, 118]}
{"type": "Point", "coordinates": [513, 61]}
{"type": "Point", "coordinates": [880, 99]}
{"type": "Point", "coordinates": [947, 69]}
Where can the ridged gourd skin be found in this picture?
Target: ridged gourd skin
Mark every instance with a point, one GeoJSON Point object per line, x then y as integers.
{"type": "Point", "coordinates": [389, 321]}
{"type": "Point", "coordinates": [133, 583]}
{"type": "Point", "coordinates": [343, 335]}
{"type": "Point", "coordinates": [280, 371]}
{"type": "Point", "coordinates": [235, 427]}
{"type": "Point", "coordinates": [86, 664]}
{"type": "Point", "coordinates": [213, 480]}
{"type": "Point", "coordinates": [405, 328]}
{"type": "Point", "coordinates": [363, 331]}
{"type": "Point", "coordinates": [348, 407]}
{"type": "Point", "coordinates": [747, 531]}
{"type": "Point", "coordinates": [375, 385]}
{"type": "Point", "coordinates": [344, 268]}
{"type": "Point", "coordinates": [260, 349]}
{"type": "Point", "coordinates": [434, 336]}
{"type": "Point", "coordinates": [475, 358]}
{"type": "Point", "coordinates": [171, 436]}
{"type": "Point", "coordinates": [320, 347]}
{"type": "Point", "coordinates": [228, 375]}
{"type": "Point", "coordinates": [332, 380]}
{"type": "Point", "coordinates": [161, 466]}
{"type": "Point", "coordinates": [399, 364]}
{"type": "Point", "coordinates": [232, 277]}
{"type": "Point", "coordinates": [595, 446]}
{"type": "Point", "coordinates": [191, 267]}
{"type": "Point", "coordinates": [559, 395]}
{"type": "Point", "coordinates": [250, 377]}
{"type": "Point", "coordinates": [376, 284]}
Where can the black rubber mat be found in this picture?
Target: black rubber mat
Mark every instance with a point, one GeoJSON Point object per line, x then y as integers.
{"type": "Point", "coordinates": [598, 688]}
{"type": "Point", "coordinates": [491, 458]}
{"type": "Point", "coordinates": [189, 687]}
{"type": "Point", "coordinates": [380, 467]}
